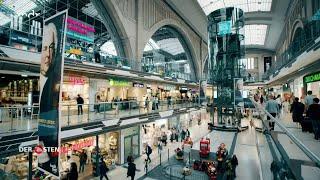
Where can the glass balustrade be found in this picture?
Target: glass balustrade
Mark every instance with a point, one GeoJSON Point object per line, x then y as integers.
{"type": "Point", "coordinates": [25, 118]}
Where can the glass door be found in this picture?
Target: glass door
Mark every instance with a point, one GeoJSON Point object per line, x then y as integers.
{"type": "Point", "coordinates": [127, 147]}
{"type": "Point", "coordinates": [135, 146]}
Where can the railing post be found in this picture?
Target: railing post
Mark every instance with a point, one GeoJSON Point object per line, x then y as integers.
{"type": "Point", "coordinates": [168, 155]}
{"type": "Point", "coordinates": [104, 111]}
{"type": "Point", "coordinates": [160, 157]}
{"type": "Point", "coordinates": [88, 112]}
{"type": "Point", "coordinates": [68, 115]}
{"type": "Point", "coordinates": [129, 107]}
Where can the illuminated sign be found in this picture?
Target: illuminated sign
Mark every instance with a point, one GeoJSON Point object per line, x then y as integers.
{"type": "Point", "coordinates": [77, 80]}
{"type": "Point", "coordinates": [80, 30]}
{"type": "Point", "coordinates": [312, 77]}
{"type": "Point", "coordinates": [139, 85]}
{"type": "Point", "coordinates": [114, 82]}
{"type": "Point", "coordinates": [224, 27]}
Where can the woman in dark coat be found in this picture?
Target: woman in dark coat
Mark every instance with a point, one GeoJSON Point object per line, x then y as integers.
{"type": "Point", "coordinates": [73, 173]}
{"type": "Point", "coordinates": [297, 109]}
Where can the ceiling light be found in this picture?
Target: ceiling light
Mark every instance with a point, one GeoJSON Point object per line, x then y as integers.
{"type": "Point", "coordinates": [3, 77]}
{"type": "Point", "coordinates": [24, 75]}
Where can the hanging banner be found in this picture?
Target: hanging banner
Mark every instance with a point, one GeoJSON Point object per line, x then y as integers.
{"type": "Point", "coordinates": [51, 77]}
{"type": "Point", "coordinates": [238, 92]}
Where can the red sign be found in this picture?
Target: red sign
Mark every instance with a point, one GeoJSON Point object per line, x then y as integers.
{"type": "Point", "coordinates": [77, 80]}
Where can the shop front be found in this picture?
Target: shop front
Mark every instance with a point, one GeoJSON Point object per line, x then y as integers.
{"type": "Point", "coordinates": [130, 143]}
{"type": "Point", "coordinates": [312, 83]}
{"type": "Point", "coordinates": [17, 166]}
{"type": "Point", "coordinates": [109, 149]}
{"type": "Point", "coordinates": [151, 133]}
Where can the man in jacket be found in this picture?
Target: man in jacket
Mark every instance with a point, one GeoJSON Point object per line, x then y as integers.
{"type": "Point", "coordinates": [272, 107]}
{"type": "Point", "coordinates": [103, 169]}
{"type": "Point", "coordinates": [314, 114]}
{"type": "Point", "coordinates": [80, 103]}
{"type": "Point", "coordinates": [309, 99]}
{"type": "Point", "coordinates": [297, 109]}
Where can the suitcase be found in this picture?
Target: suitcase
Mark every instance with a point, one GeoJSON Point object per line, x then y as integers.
{"type": "Point", "coordinates": [306, 125]}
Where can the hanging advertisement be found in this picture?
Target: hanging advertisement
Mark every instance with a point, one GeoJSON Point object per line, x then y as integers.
{"type": "Point", "coordinates": [238, 92]}
{"type": "Point", "coordinates": [51, 77]}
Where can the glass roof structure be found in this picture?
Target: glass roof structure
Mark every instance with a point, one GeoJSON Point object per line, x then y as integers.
{"type": "Point", "coordinates": [171, 45]}
{"type": "Point", "coordinates": [255, 34]}
{"type": "Point", "coordinates": [10, 8]}
{"type": "Point", "coordinates": [108, 47]}
{"type": "Point", "coordinates": [209, 6]}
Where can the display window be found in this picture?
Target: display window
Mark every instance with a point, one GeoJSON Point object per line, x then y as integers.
{"type": "Point", "coordinates": [74, 85]}
{"type": "Point", "coordinates": [109, 148]}
{"type": "Point", "coordinates": [17, 166]}
{"type": "Point", "coordinates": [151, 133]}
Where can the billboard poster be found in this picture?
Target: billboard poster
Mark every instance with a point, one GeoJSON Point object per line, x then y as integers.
{"type": "Point", "coordinates": [238, 92]}
{"type": "Point", "coordinates": [51, 77]}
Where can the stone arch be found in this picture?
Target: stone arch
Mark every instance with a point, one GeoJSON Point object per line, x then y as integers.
{"type": "Point", "coordinates": [185, 36]}
{"type": "Point", "coordinates": [115, 26]}
{"type": "Point", "coordinates": [298, 24]}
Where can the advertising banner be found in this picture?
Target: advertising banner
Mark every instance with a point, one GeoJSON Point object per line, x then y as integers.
{"type": "Point", "coordinates": [51, 77]}
{"type": "Point", "coordinates": [238, 92]}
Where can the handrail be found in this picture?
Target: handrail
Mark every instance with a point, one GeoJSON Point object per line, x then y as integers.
{"type": "Point", "coordinates": [306, 150]}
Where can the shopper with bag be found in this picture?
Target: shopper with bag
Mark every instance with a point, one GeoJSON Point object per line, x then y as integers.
{"type": "Point", "coordinates": [103, 169]}
{"type": "Point", "coordinates": [314, 115]}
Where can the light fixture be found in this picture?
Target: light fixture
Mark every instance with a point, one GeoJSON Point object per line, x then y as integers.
{"type": "Point", "coordinates": [3, 77]}
{"type": "Point", "coordinates": [24, 75]}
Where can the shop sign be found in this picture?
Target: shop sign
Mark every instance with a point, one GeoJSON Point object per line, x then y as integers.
{"type": "Point", "coordinates": [80, 30]}
{"type": "Point", "coordinates": [77, 80]}
{"type": "Point", "coordinates": [183, 88]}
{"type": "Point", "coordinates": [21, 39]}
{"type": "Point", "coordinates": [139, 85]}
{"type": "Point", "coordinates": [312, 77]}
{"type": "Point", "coordinates": [120, 83]}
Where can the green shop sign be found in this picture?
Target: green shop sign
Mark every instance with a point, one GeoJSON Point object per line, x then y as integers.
{"type": "Point", "coordinates": [118, 82]}
{"type": "Point", "coordinates": [312, 77]}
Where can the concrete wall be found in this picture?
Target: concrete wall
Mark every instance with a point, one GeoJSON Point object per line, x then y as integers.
{"type": "Point", "coordinates": [138, 20]}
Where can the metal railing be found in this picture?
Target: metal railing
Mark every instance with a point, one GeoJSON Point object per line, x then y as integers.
{"type": "Point", "coordinates": [301, 43]}
{"type": "Point", "coordinates": [22, 118]}
{"type": "Point", "coordinates": [282, 163]}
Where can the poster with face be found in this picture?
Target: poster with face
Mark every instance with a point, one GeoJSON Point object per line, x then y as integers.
{"type": "Point", "coordinates": [51, 77]}
{"type": "Point", "coordinates": [238, 92]}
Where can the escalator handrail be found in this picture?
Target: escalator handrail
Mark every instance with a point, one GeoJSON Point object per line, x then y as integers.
{"type": "Point", "coordinates": [305, 149]}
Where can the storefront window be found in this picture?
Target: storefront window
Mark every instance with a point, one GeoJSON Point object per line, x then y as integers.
{"type": "Point", "coordinates": [16, 167]}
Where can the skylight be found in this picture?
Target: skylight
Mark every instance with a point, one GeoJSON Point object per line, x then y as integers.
{"type": "Point", "coordinates": [209, 6]}
{"type": "Point", "coordinates": [151, 45]}
{"type": "Point", "coordinates": [255, 34]}
{"type": "Point", "coordinates": [108, 47]}
{"type": "Point", "coordinates": [15, 7]}
{"type": "Point", "coordinates": [171, 45]}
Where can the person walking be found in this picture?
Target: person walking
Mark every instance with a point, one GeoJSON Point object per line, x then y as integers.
{"type": "Point", "coordinates": [234, 163]}
{"type": "Point", "coordinates": [157, 102]}
{"type": "Point", "coordinates": [103, 169]}
{"type": "Point", "coordinates": [272, 107]}
{"type": "Point", "coordinates": [83, 159]}
{"type": "Point", "coordinates": [73, 172]}
{"type": "Point", "coordinates": [188, 133]}
{"type": "Point", "coordinates": [314, 114]}
{"type": "Point", "coordinates": [297, 109]}
{"type": "Point", "coordinates": [146, 103]}
{"type": "Point", "coordinates": [279, 101]}
{"type": "Point", "coordinates": [131, 170]}
{"type": "Point", "coordinates": [308, 99]}
{"type": "Point", "coordinates": [159, 147]}
{"type": "Point", "coordinates": [97, 108]}
{"type": "Point", "coordinates": [80, 102]}
{"type": "Point", "coordinates": [183, 135]}
{"type": "Point", "coordinates": [148, 152]}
